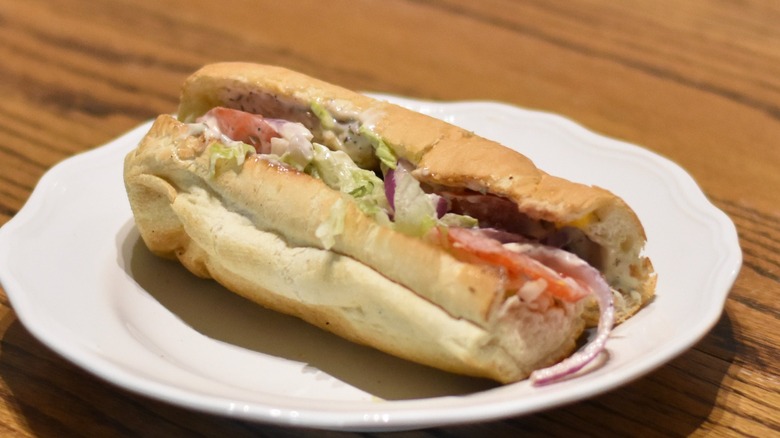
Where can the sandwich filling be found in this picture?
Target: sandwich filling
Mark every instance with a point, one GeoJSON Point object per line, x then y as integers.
{"type": "Point", "coordinates": [542, 263]}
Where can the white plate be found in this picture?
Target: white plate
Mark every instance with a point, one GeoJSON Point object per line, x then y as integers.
{"type": "Point", "coordinates": [80, 280]}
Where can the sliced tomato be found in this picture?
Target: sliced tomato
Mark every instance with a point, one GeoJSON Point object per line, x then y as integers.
{"type": "Point", "coordinates": [470, 245]}
{"type": "Point", "coordinates": [245, 127]}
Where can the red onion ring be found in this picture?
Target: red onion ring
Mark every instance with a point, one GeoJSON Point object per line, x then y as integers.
{"type": "Point", "coordinates": [570, 265]}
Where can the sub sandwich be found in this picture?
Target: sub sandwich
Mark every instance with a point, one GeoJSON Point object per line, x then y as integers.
{"type": "Point", "coordinates": [387, 227]}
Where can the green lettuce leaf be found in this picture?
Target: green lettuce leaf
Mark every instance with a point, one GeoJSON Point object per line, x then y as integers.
{"type": "Point", "coordinates": [333, 225]}
{"type": "Point", "coordinates": [222, 156]}
{"type": "Point", "coordinates": [415, 210]}
{"type": "Point", "coordinates": [326, 118]}
{"type": "Point", "coordinates": [337, 170]}
{"type": "Point", "coordinates": [383, 152]}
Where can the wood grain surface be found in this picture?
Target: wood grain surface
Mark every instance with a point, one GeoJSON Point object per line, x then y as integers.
{"type": "Point", "coordinates": [696, 81]}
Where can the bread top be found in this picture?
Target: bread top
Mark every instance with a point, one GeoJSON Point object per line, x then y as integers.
{"type": "Point", "coordinates": [443, 155]}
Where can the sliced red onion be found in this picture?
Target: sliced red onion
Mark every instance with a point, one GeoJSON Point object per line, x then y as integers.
{"type": "Point", "coordinates": [441, 206]}
{"type": "Point", "coordinates": [570, 265]}
{"type": "Point", "coordinates": [390, 188]}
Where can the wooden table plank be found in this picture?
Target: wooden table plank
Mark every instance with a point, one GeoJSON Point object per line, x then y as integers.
{"type": "Point", "coordinates": [698, 82]}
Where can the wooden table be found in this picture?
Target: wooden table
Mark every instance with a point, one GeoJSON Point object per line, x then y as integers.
{"type": "Point", "coordinates": [698, 82]}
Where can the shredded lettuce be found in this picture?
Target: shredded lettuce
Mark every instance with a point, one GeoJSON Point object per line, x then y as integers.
{"type": "Point", "coordinates": [221, 155]}
{"type": "Point", "coordinates": [294, 146]}
{"type": "Point", "coordinates": [458, 220]}
{"type": "Point", "coordinates": [333, 225]}
{"type": "Point", "coordinates": [326, 118]}
{"type": "Point", "coordinates": [382, 151]}
{"type": "Point", "coordinates": [359, 141]}
{"type": "Point", "coordinates": [415, 210]}
{"type": "Point", "coordinates": [337, 170]}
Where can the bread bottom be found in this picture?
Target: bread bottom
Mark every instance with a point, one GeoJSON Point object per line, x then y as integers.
{"type": "Point", "coordinates": [341, 295]}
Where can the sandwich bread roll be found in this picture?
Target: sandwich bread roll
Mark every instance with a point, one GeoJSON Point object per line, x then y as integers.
{"type": "Point", "coordinates": [272, 218]}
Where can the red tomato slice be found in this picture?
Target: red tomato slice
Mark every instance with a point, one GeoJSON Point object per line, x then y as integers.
{"type": "Point", "coordinates": [470, 245]}
{"type": "Point", "coordinates": [245, 127]}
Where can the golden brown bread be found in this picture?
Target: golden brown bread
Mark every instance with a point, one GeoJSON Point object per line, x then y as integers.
{"type": "Point", "coordinates": [253, 229]}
